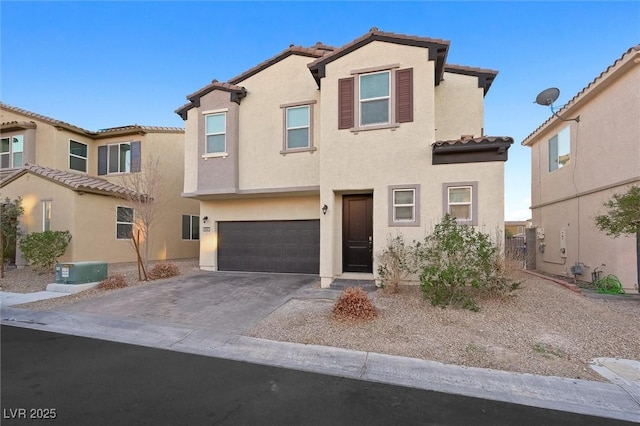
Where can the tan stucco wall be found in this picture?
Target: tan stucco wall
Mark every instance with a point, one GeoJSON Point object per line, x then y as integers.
{"type": "Point", "coordinates": [605, 159]}
{"type": "Point", "coordinates": [261, 127]}
{"type": "Point", "coordinates": [280, 208]}
{"type": "Point", "coordinates": [459, 109]}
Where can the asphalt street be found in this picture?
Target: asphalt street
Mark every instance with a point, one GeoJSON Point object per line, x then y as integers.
{"type": "Point", "coordinates": [50, 378]}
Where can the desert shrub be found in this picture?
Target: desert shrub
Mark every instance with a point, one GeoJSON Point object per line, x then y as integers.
{"type": "Point", "coordinates": [112, 282]}
{"type": "Point", "coordinates": [354, 304]}
{"type": "Point", "coordinates": [396, 262]}
{"type": "Point", "coordinates": [43, 249]}
{"type": "Point", "coordinates": [460, 264]}
{"type": "Point", "coordinates": [163, 270]}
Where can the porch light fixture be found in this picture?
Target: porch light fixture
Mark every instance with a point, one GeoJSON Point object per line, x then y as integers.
{"type": "Point", "coordinates": [205, 219]}
{"type": "Point", "coordinates": [324, 209]}
{"type": "Point", "coordinates": [547, 97]}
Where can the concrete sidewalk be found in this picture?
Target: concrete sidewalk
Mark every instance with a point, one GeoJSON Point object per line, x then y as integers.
{"type": "Point", "coordinates": [616, 401]}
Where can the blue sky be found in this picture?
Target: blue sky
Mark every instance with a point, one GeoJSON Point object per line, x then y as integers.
{"type": "Point", "coordinates": [107, 64]}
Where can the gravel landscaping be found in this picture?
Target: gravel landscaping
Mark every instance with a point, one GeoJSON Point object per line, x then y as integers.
{"type": "Point", "coordinates": [544, 329]}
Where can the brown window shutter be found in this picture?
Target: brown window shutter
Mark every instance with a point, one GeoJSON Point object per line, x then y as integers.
{"type": "Point", "coordinates": [404, 97]}
{"type": "Point", "coordinates": [345, 103]}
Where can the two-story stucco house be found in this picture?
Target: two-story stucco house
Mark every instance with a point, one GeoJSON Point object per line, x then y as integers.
{"type": "Point", "coordinates": [579, 160]}
{"type": "Point", "coordinates": [309, 161]}
{"type": "Point", "coordinates": [70, 179]}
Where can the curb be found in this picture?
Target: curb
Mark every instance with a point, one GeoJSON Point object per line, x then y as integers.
{"type": "Point", "coordinates": [564, 284]}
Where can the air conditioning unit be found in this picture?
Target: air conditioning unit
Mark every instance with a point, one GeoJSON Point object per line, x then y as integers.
{"type": "Point", "coordinates": [81, 272]}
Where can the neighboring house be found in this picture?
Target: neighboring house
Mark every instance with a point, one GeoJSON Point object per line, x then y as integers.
{"type": "Point", "coordinates": [513, 228]}
{"type": "Point", "coordinates": [69, 179]}
{"type": "Point", "coordinates": [576, 166]}
{"type": "Point", "coordinates": [311, 160]}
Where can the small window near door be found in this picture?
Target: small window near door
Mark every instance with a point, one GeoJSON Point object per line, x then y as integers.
{"type": "Point", "coordinates": [190, 227]}
{"type": "Point", "coordinates": [404, 205]}
{"type": "Point", "coordinates": [460, 200]}
{"type": "Point", "coordinates": [46, 215]}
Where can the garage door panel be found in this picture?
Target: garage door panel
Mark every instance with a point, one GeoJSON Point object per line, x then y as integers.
{"type": "Point", "coordinates": [269, 246]}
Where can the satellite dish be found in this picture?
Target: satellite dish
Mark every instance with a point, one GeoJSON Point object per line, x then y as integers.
{"type": "Point", "coordinates": [548, 97]}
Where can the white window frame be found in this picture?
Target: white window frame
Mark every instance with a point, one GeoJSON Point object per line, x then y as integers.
{"type": "Point", "coordinates": [127, 165]}
{"type": "Point", "coordinates": [191, 219]}
{"type": "Point", "coordinates": [207, 134]}
{"type": "Point", "coordinates": [415, 205]}
{"type": "Point", "coordinates": [562, 139]}
{"type": "Point", "coordinates": [473, 209]}
{"type": "Point", "coordinates": [46, 215]}
{"type": "Point", "coordinates": [11, 154]}
{"type": "Point", "coordinates": [285, 127]}
{"type": "Point", "coordinates": [132, 223]}
{"type": "Point", "coordinates": [363, 101]}
{"type": "Point", "coordinates": [86, 159]}
{"type": "Point", "coordinates": [290, 128]}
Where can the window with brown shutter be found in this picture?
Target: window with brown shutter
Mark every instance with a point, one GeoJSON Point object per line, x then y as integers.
{"type": "Point", "coordinates": [345, 103]}
{"type": "Point", "coordinates": [404, 95]}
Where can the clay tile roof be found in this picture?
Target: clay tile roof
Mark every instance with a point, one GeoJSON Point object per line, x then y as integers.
{"type": "Point", "coordinates": [317, 51]}
{"type": "Point", "coordinates": [75, 181]}
{"type": "Point", "coordinates": [482, 140]}
{"type": "Point", "coordinates": [631, 52]}
{"type": "Point", "coordinates": [46, 119]}
{"type": "Point", "coordinates": [485, 76]}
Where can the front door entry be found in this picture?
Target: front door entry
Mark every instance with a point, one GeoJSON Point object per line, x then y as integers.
{"type": "Point", "coordinates": [357, 233]}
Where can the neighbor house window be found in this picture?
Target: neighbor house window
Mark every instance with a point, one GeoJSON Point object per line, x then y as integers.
{"type": "Point", "coordinates": [215, 133]}
{"type": "Point", "coordinates": [559, 148]}
{"type": "Point", "coordinates": [124, 223]}
{"type": "Point", "coordinates": [122, 157]}
{"type": "Point", "coordinates": [11, 150]}
{"type": "Point", "coordinates": [461, 201]}
{"type": "Point", "coordinates": [77, 156]}
{"type": "Point", "coordinates": [375, 97]}
{"type": "Point", "coordinates": [46, 215]}
{"type": "Point", "coordinates": [404, 205]}
{"type": "Point", "coordinates": [190, 227]}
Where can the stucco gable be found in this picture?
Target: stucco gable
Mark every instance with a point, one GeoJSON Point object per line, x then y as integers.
{"type": "Point", "coordinates": [614, 71]}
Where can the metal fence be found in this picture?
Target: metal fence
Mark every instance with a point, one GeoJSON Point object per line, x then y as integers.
{"type": "Point", "coordinates": [515, 249]}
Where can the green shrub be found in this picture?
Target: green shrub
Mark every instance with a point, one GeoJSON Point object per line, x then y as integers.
{"type": "Point", "coordinates": [354, 304]}
{"type": "Point", "coordinates": [459, 264]}
{"type": "Point", "coordinates": [43, 249]}
{"type": "Point", "coordinates": [396, 262]}
{"type": "Point", "coordinates": [112, 282]}
{"type": "Point", "coordinates": [163, 270]}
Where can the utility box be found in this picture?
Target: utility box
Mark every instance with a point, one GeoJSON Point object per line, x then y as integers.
{"type": "Point", "coordinates": [81, 272]}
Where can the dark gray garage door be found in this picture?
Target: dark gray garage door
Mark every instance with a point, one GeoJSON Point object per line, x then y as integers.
{"type": "Point", "coordinates": [270, 246]}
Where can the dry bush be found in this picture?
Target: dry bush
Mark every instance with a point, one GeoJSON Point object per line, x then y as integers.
{"type": "Point", "coordinates": [112, 282]}
{"type": "Point", "coordinates": [354, 304]}
{"type": "Point", "coordinates": [163, 270]}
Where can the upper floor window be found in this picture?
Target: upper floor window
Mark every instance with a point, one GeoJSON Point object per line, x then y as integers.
{"type": "Point", "coordinates": [11, 150]}
{"type": "Point", "coordinates": [124, 223]}
{"type": "Point", "coordinates": [298, 127]}
{"type": "Point", "coordinates": [215, 133]}
{"type": "Point", "coordinates": [190, 227]}
{"type": "Point", "coordinates": [559, 149]}
{"type": "Point", "coordinates": [119, 158]}
{"type": "Point", "coordinates": [375, 94]}
{"type": "Point", "coordinates": [461, 201]}
{"type": "Point", "coordinates": [380, 97]}
{"type": "Point", "coordinates": [46, 215]}
{"type": "Point", "coordinates": [78, 156]}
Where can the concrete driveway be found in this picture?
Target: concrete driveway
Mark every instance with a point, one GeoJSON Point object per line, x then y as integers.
{"type": "Point", "coordinates": [221, 302]}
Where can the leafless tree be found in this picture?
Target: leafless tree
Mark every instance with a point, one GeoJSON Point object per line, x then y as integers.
{"type": "Point", "coordinates": [149, 201]}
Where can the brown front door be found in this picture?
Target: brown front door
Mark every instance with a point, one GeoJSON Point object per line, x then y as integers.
{"type": "Point", "coordinates": [357, 233]}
